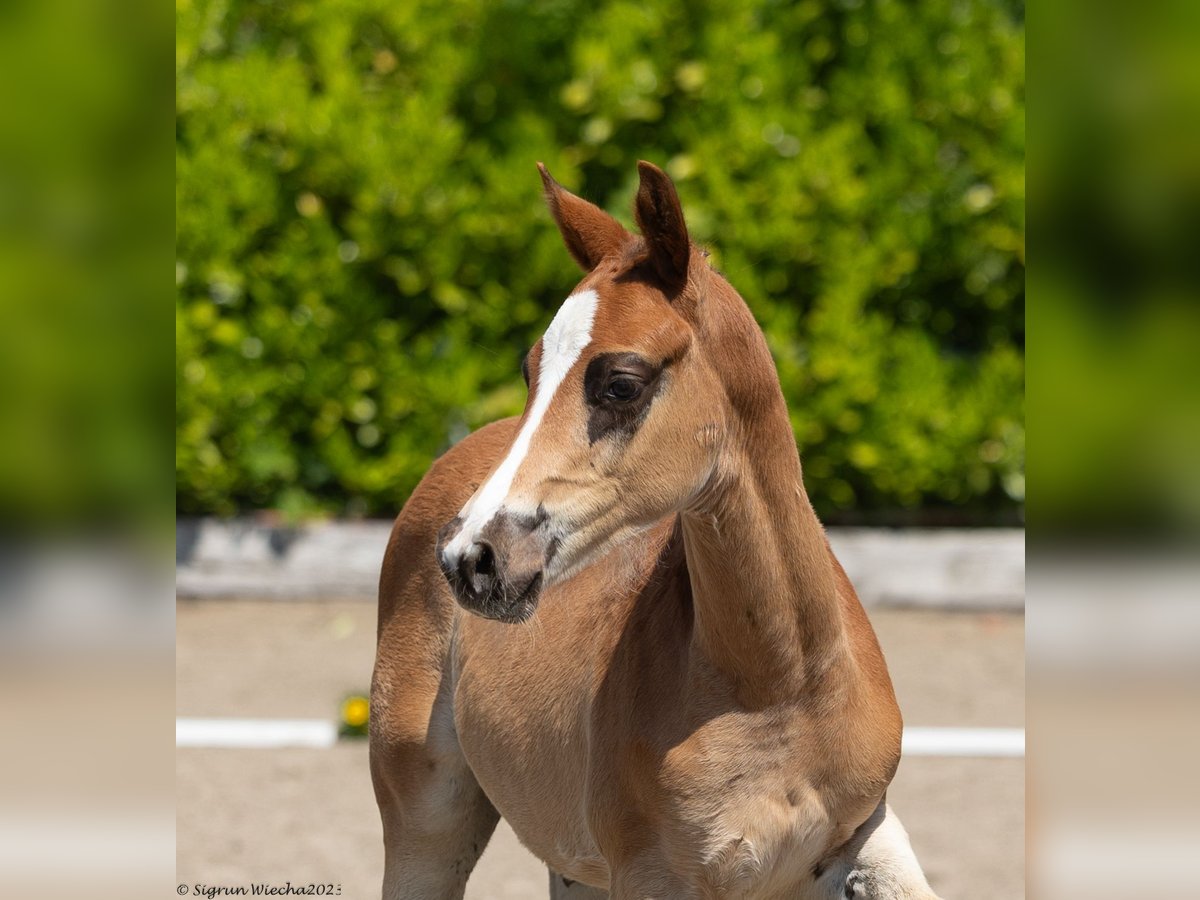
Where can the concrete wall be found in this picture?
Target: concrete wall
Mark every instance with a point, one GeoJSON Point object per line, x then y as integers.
{"type": "Point", "coordinates": [946, 569]}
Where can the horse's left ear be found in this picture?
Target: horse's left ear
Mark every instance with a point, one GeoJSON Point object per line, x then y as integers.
{"type": "Point", "coordinates": [660, 217]}
{"type": "Point", "coordinates": [588, 231]}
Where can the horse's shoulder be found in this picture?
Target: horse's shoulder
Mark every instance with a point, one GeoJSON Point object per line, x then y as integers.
{"type": "Point", "coordinates": [454, 476]}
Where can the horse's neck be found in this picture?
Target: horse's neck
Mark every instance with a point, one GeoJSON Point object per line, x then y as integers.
{"type": "Point", "coordinates": [767, 611]}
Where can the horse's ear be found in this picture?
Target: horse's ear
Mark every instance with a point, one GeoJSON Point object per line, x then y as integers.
{"type": "Point", "coordinates": [588, 231]}
{"type": "Point", "coordinates": [660, 217]}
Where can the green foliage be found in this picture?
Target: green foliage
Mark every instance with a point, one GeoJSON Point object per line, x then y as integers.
{"type": "Point", "coordinates": [363, 254]}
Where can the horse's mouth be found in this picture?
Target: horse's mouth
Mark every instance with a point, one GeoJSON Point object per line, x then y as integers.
{"type": "Point", "coordinates": [504, 603]}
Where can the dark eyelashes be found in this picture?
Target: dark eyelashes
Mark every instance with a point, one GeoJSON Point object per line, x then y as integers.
{"type": "Point", "coordinates": [618, 377]}
{"type": "Point", "coordinates": [623, 388]}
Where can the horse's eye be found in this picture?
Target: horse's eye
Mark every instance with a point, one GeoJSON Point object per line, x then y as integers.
{"type": "Point", "coordinates": [623, 389]}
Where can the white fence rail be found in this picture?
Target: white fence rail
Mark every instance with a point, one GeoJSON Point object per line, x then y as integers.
{"type": "Point", "coordinates": [261, 734]}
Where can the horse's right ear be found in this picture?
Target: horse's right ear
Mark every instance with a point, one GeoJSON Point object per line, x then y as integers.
{"type": "Point", "coordinates": [588, 231]}
{"type": "Point", "coordinates": [660, 217]}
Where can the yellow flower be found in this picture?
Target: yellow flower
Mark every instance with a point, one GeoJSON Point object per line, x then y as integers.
{"type": "Point", "coordinates": [356, 711]}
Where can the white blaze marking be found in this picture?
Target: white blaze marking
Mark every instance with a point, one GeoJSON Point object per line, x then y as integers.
{"type": "Point", "coordinates": [564, 340]}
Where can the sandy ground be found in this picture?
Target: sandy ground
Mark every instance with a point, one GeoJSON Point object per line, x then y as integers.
{"type": "Point", "coordinates": [308, 816]}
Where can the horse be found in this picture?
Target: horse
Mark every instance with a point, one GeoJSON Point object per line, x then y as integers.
{"type": "Point", "coordinates": [616, 620]}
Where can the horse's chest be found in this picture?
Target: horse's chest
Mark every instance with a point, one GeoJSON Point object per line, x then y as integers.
{"type": "Point", "coordinates": [743, 820]}
{"type": "Point", "coordinates": [757, 834]}
{"type": "Point", "coordinates": [519, 714]}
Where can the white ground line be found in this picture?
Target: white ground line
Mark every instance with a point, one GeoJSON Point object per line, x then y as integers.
{"type": "Point", "coordinates": [1008, 742]}
{"type": "Point", "coordinates": [255, 733]}
{"type": "Point", "coordinates": [269, 733]}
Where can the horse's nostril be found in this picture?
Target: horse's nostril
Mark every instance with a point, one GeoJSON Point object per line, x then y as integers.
{"type": "Point", "coordinates": [485, 559]}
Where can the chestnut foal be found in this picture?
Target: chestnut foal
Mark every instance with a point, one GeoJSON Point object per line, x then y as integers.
{"type": "Point", "coordinates": [697, 705]}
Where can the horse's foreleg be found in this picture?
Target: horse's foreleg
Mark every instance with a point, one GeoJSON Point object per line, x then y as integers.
{"type": "Point", "coordinates": [430, 852]}
{"type": "Point", "coordinates": [436, 818]}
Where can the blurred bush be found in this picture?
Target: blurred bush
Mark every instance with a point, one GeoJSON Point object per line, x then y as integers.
{"type": "Point", "coordinates": [363, 255]}
{"type": "Point", "coordinates": [1118, 183]}
{"type": "Point", "coordinates": [84, 159]}
{"type": "Point", "coordinates": [86, 612]}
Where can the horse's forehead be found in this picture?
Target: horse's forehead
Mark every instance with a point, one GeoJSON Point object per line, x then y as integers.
{"type": "Point", "coordinates": [571, 328]}
{"type": "Point", "coordinates": [600, 316]}
{"type": "Point", "coordinates": [623, 314]}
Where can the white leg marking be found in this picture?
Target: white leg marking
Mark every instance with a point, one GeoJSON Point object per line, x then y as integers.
{"type": "Point", "coordinates": [563, 342]}
{"type": "Point", "coordinates": [877, 865]}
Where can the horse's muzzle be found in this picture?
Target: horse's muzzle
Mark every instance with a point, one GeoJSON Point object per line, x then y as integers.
{"type": "Point", "coordinates": [499, 574]}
